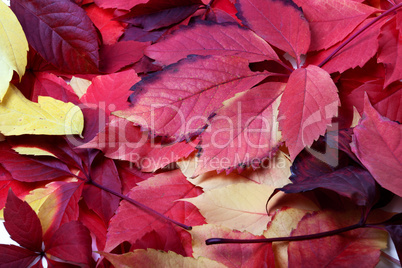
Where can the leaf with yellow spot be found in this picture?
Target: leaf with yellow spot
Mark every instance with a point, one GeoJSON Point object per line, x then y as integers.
{"type": "Point", "coordinates": [35, 151]}
{"type": "Point", "coordinates": [49, 116]}
{"type": "Point", "coordinates": [13, 48]}
{"type": "Point", "coordinates": [155, 258]}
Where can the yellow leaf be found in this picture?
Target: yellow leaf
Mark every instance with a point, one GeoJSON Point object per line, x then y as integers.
{"type": "Point", "coordinates": [32, 151]}
{"type": "Point", "coordinates": [79, 85]}
{"type": "Point", "coordinates": [49, 116]}
{"type": "Point", "coordinates": [238, 206]}
{"type": "Point", "coordinates": [155, 258]}
{"type": "Point", "coordinates": [13, 48]}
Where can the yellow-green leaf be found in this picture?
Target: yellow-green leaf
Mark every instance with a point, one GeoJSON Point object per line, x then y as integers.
{"type": "Point", "coordinates": [155, 258]}
{"type": "Point", "coordinates": [49, 116]}
{"type": "Point", "coordinates": [13, 48]}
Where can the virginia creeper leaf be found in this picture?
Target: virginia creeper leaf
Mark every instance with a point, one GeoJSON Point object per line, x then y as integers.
{"type": "Point", "coordinates": [231, 255]}
{"type": "Point", "coordinates": [13, 48]}
{"type": "Point", "coordinates": [244, 131]}
{"type": "Point", "coordinates": [180, 110]}
{"type": "Point", "coordinates": [359, 247]}
{"type": "Point", "coordinates": [280, 23]}
{"type": "Point", "coordinates": [356, 53]}
{"type": "Point", "coordinates": [121, 4]}
{"type": "Point", "coordinates": [121, 140]}
{"type": "Point", "coordinates": [240, 206]}
{"type": "Point", "coordinates": [377, 144]}
{"type": "Point", "coordinates": [331, 21]}
{"type": "Point", "coordinates": [31, 169]}
{"type": "Point", "coordinates": [154, 258]}
{"type": "Point", "coordinates": [175, 187]}
{"type": "Point", "coordinates": [14, 256]}
{"type": "Point", "coordinates": [49, 116]}
{"type": "Point", "coordinates": [60, 32]}
{"type": "Point", "coordinates": [72, 243]}
{"type": "Point", "coordinates": [110, 29]}
{"type": "Point", "coordinates": [115, 57]}
{"type": "Point", "coordinates": [22, 223]}
{"type": "Point", "coordinates": [103, 172]}
{"type": "Point", "coordinates": [308, 104]}
{"type": "Point", "coordinates": [110, 92]}
{"type": "Point", "coordinates": [390, 52]}
{"type": "Point", "coordinates": [205, 38]}
{"type": "Point", "coordinates": [60, 207]}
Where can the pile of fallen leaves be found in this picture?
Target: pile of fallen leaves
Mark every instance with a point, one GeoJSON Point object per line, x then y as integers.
{"type": "Point", "coordinates": [193, 133]}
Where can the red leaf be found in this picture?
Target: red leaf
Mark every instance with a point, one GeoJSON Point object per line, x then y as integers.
{"type": "Point", "coordinates": [110, 92]}
{"type": "Point", "coordinates": [205, 38]}
{"type": "Point", "coordinates": [72, 243]}
{"type": "Point", "coordinates": [115, 57]}
{"type": "Point", "coordinates": [131, 223]}
{"type": "Point", "coordinates": [103, 172]}
{"type": "Point", "coordinates": [390, 52]}
{"type": "Point", "coordinates": [356, 53]}
{"type": "Point", "coordinates": [182, 109]}
{"type": "Point", "coordinates": [95, 225]}
{"type": "Point", "coordinates": [60, 207]}
{"type": "Point", "coordinates": [377, 144]}
{"type": "Point", "coordinates": [331, 21]}
{"type": "Point", "coordinates": [13, 256]}
{"type": "Point", "coordinates": [156, 14]}
{"type": "Point", "coordinates": [103, 19]}
{"type": "Point", "coordinates": [244, 131]}
{"type": "Point", "coordinates": [281, 23]}
{"type": "Point", "coordinates": [61, 32]}
{"type": "Point", "coordinates": [47, 84]}
{"type": "Point", "coordinates": [355, 248]}
{"type": "Point", "coordinates": [22, 223]}
{"type": "Point", "coordinates": [308, 104]}
{"type": "Point", "coordinates": [121, 4]}
{"type": "Point", "coordinates": [31, 169]}
{"type": "Point", "coordinates": [121, 140]}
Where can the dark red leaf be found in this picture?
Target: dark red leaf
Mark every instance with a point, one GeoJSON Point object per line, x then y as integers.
{"type": "Point", "coordinates": [279, 22]}
{"type": "Point", "coordinates": [331, 21]}
{"type": "Point", "coordinates": [307, 106]}
{"type": "Point", "coordinates": [72, 243]}
{"type": "Point", "coordinates": [103, 172]}
{"type": "Point", "coordinates": [61, 32]}
{"type": "Point", "coordinates": [31, 169]}
{"type": "Point", "coordinates": [22, 223]}
{"type": "Point", "coordinates": [13, 256]}
{"type": "Point", "coordinates": [115, 57]}
{"type": "Point", "coordinates": [377, 144]}
{"type": "Point", "coordinates": [394, 228]}
{"type": "Point", "coordinates": [121, 4]}
{"type": "Point", "coordinates": [182, 109]}
{"type": "Point", "coordinates": [140, 35]}
{"type": "Point", "coordinates": [156, 14]}
{"type": "Point", "coordinates": [203, 38]}
{"type": "Point", "coordinates": [95, 225]}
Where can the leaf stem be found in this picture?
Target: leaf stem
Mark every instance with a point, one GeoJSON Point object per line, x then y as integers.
{"type": "Point", "coordinates": [213, 241]}
{"type": "Point", "coordinates": [347, 41]}
{"type": "Point", "coordinates": [139, 205]}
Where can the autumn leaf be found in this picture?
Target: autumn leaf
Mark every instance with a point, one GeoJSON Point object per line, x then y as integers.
{"type": "Point", "coordinates": [308, 104]}
{"type": "Point", "coordinates": [154, 258]}
{"type": "Point", "coordinates": [13, 48]}
{"type": "Point", "coordinates": [61, 32]}
{"type": "Point", "coordinates": [377, 144]}
{"type": "Point", "coordinates": [184, 108]}
{"type": "Point", "coordinates": [49, 116]}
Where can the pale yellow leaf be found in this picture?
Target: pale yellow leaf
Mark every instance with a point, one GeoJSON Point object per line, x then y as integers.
{"type": "Point", "coordinates": [275, 172]}
{"type": "Point", "coordinates": [49, 116]}
{"type": "Point", "coordinates": [79, 85]}
{"type": "Point", "coordinates": [156, 258]}
{"type": "Point", "coordinates": [13, 48]}
{"type": "Point", "coordinates": [32, 151]}
{"type": "Point", "coordinates": [238, 206]}
{"type": "Point", "coordinates": [356, 117]}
